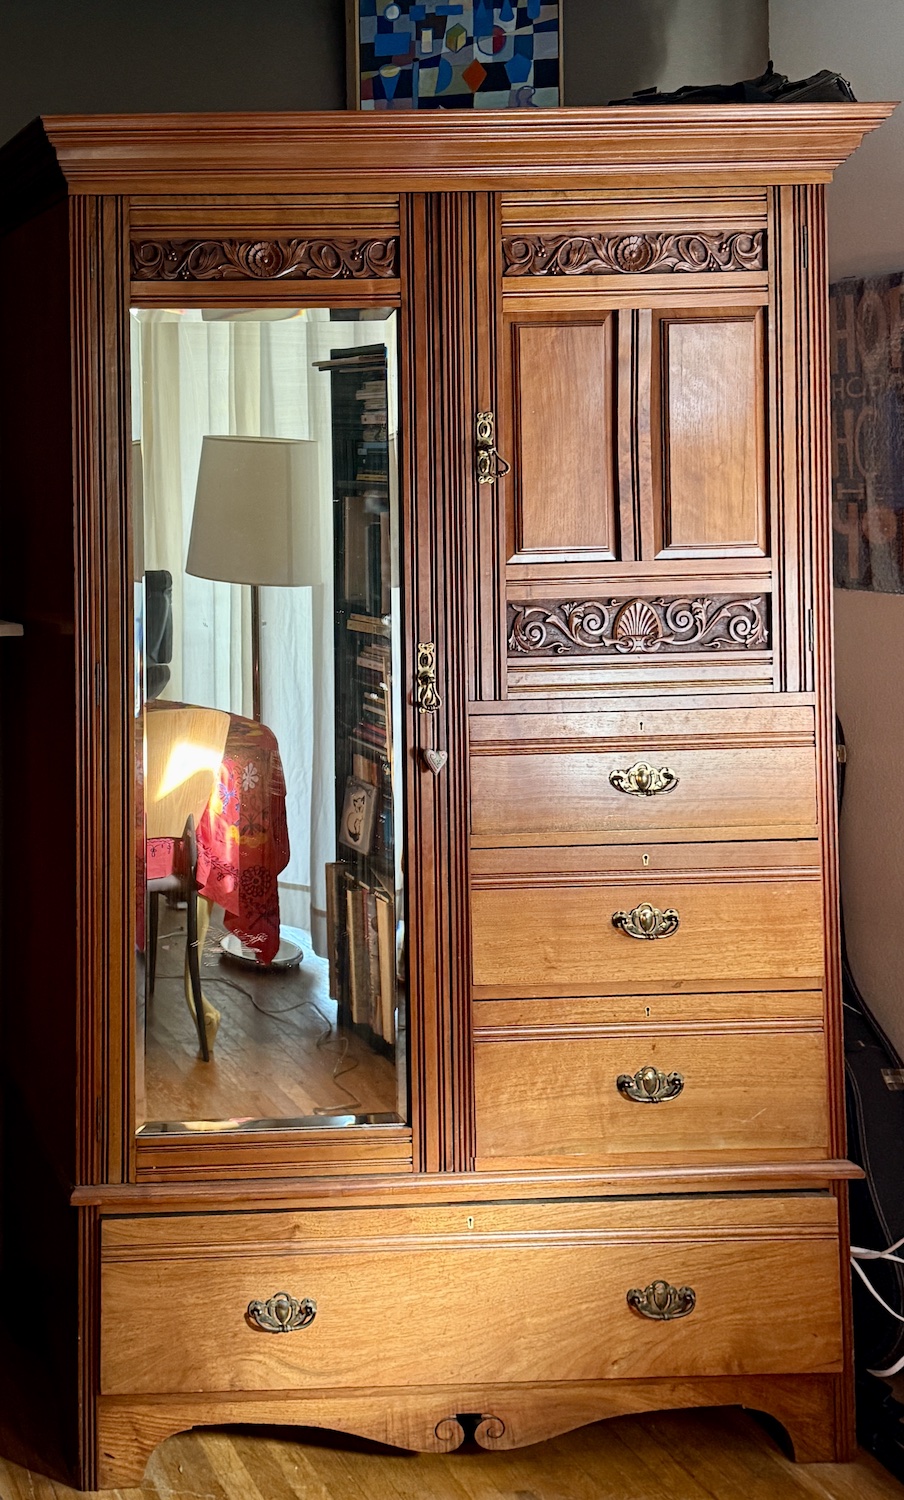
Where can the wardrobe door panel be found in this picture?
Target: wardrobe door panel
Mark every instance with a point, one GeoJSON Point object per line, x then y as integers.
{"type": "Point", "coordinates": [709, 433]}
{"type": "Point", "coordinates": [565, 472]}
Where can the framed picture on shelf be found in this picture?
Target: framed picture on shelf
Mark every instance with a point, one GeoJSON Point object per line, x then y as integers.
{"type": "Point", "coordinates": [359, 811]}
{"type": "Point", "coordinates": [472, 55]}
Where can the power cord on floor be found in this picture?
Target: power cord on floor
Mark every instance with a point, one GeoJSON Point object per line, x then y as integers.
{"type": "Point", "coordinates": [322, 1043]}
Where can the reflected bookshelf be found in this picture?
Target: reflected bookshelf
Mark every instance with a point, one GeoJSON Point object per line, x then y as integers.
{"type": "Point", "coordinates": [361, 882]}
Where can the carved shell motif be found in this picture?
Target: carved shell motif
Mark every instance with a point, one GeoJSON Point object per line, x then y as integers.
{"type": "Point", "coordinates": [637, 627]}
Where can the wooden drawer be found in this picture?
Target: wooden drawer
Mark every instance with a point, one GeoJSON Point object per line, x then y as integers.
{"type": "Point", "coordinates": [547, 934]}
{"type": "Point", "coordinates": [472, 1294]}
{"type": "Point", "coordinates": [547, 1093]}
{"type": "Point", "coordinates": [566, 778]}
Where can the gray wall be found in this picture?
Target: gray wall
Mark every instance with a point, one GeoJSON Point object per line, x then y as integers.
{"type": "Point", "coordinates": [864, 40]}
{"type": "Point", "coordinates": [100, 56]}
{"type": "Point", "coordinates": [111, 56]}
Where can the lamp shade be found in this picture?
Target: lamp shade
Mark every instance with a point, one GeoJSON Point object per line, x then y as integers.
{"type": "Point", "coordinates": [257, 512]}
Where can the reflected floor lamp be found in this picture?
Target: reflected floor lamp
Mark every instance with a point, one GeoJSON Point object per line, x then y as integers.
{"type": "Point", "coordinates": [256, 522]}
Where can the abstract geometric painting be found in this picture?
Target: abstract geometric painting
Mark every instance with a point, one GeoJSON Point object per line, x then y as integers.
{"type": "Point", "coordinates": [470, 55]}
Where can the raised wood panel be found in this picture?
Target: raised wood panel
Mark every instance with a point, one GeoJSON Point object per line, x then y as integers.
{"type": "Point", "coordinates": [587, 864]}
{"type": "Point", "coordinates": [563, 393]}
{"type": "Point", "coordinates": [531, 939]}
{"type": "Point", "coordinates": [630, 676]}
{"type": "Point", "coordinates": [545, 1098]}
{"type": "Point", "coordinates": [783, 720]}
{"type": "Point", "coordinates": [564, 794]}
{"type": "Point", "coordinates": [185, 1235]}
{"type": "Point", "coordinates": [709, 440]}
{"type": "Point", "coordinates": [647, 1015]}
{"type": "Point", "coordinates": [240, 216]}
{"type": "Point", "coordinates": [654, 208]}
{"type": "Point", "coordinates": [402, 1306]}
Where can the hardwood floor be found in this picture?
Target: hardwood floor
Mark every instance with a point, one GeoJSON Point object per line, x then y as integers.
{"type": "Point", "coordinates": [689, 1455]}
{"type": "Point", "coordinates": [278, 1054]}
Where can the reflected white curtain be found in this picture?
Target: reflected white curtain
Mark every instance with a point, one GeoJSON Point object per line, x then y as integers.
{"type": "Point", "coordinates": [246, 377]}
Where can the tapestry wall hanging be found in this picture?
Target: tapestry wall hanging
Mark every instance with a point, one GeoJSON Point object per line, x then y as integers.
{"type": "Point", "coordinates": [867, 359]}
{"type": "Point", "coordinates": [474, 55]}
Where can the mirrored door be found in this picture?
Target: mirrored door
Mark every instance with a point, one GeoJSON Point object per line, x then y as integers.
{"type": "Point", "coordinates": [268, 719]}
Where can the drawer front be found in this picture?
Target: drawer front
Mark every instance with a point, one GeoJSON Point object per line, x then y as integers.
{"type": "Point", "coordinates": [566, 795]}
{"type": "Point", "coordinates": [447, 1308]}
{"type": "Point", "coordinates": [590, 777]}
{"type": "Point", "coordinates": [750, 1094]}
{"type": "Point", "coordinates": [533, 938]}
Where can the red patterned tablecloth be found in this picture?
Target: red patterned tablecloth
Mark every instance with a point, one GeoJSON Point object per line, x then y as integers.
{"type": "Point", "coordinates": [243, 837]}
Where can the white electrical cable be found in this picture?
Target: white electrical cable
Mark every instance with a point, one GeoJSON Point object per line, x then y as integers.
{"type": "Point", "coordinates": [858, 1254]}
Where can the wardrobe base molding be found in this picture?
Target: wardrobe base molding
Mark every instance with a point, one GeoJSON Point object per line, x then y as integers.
{"type": "Point", "coordinates": [440, 1419]}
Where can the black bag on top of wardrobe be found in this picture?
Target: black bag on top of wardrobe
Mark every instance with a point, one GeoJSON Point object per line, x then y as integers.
{"type": "Point", "coordinates": [824, 87]}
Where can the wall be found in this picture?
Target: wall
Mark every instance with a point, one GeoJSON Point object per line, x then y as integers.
{"type": "Point", "coordinates": [101, 56]}
{"type": "Point", "coordinates": [613, 47]}
{"type": "Point", "coordinates": [864, 40]}
{"type": "Point", "coordinates": [106, 56]}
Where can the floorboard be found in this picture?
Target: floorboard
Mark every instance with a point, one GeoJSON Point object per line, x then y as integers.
{"type": "Point", "coordinates": [279, 1053]}
{"type": "Point", "coordinates": [689, 1455]}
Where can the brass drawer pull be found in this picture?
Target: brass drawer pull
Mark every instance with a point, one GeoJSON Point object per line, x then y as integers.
{"type": "Point", "coordinates": [662, 1301]}
{"type": "Point", "coordinates": [643, 780]}
{"type": "Point", "coordinates": [646, 921]}
{"type": "Point", "coordinates": [649, 1085]}
{"type": "Point", "coordinates": [282, 1313]}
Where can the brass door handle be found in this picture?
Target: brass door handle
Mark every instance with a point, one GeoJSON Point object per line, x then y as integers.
{"type": "Point", "coordinates": [662, 1301]}
{"type": "Point", "coordinates": [643, 780]}
{"type": "Point", "coordinates": [649, 1085]}
{"type": "Point", "coordinates": [281, 1313]}
{"type": "Point", "coordinates": [646, 921]}
{"type": "Point", "coordinates": [490, 465]}
{"type": "Point", "coordinates": [426, 696]}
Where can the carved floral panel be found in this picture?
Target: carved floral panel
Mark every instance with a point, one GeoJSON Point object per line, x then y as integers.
{"type": "Point", "coordinates": [607, 254]}
{"type": "Point", "coordinates": [715, 622]}
{"type": "Point", "coordinates": [265, 260]}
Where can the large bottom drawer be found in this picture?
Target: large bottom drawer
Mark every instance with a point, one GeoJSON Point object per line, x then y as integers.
{"type": "Point", "coordinates": [477, 1293]}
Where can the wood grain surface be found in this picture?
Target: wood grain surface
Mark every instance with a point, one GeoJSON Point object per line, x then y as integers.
{"type": "Point", "coordinates": [548, 1096]}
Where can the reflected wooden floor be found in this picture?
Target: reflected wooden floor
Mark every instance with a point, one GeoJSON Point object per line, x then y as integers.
{"type": "Point", "coordinates": [278, 1054]}
{"type": "Point", "coordinates": [710, 1455]}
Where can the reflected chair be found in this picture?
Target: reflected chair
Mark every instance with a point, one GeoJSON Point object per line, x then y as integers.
{"type": "Point", "coordinates": [183, 752]}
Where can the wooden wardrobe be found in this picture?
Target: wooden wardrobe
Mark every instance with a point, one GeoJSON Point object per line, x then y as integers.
{"type": "Point", "coordinates": [616, 1179]}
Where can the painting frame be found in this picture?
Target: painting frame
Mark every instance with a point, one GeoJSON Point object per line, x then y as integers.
{"type": "Point", "coordinates": [357, 75]}
{"type": "Point", "coordinates": [359, 815]}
